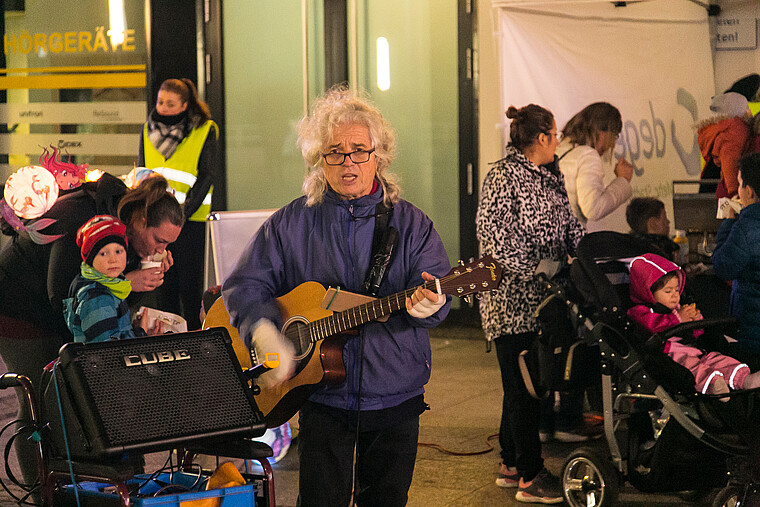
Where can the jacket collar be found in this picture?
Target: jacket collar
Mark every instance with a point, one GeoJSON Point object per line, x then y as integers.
{"type": "Point", "coordinates": [725, 120]}
{"type": "Point", "coordinates": [548, 172]}
{"type": "Point", "coordinates": [752, 210]}
{"type": "Point", "coordinates": [362, 205]}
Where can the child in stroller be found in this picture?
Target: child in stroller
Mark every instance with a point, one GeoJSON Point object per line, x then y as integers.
{"type": "Point", "coordinates": [656, 285]}
{"type": "Point", "coordinates": [662, 435]}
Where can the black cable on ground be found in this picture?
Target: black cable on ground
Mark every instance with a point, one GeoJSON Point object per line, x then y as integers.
{"type": "Point", "coordinates": [461, 453]}
{"type": "Point", "coordinates": [28, 489]}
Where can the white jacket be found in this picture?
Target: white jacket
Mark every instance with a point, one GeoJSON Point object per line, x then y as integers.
{"type": "Point", "coordinates": [584, 179]}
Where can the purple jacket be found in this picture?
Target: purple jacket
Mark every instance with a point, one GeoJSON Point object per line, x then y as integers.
{"type": "Point", "coordinates": [331, 243]}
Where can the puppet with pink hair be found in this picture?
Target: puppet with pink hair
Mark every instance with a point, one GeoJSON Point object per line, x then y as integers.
{"type": "Point", "coordinates": [32, 190]}
{"type": "Point", "coordinates": [67, 174]}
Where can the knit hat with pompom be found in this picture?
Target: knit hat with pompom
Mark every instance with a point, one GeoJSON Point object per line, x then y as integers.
{"type": "Point", "coordinates": [97, 232]}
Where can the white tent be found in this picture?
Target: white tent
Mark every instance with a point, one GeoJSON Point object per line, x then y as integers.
{"type": "Point", "coordinates": [651, 59]}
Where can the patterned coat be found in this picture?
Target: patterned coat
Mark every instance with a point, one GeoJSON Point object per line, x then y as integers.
{"type": "Point", "coordinates": [524, 216]}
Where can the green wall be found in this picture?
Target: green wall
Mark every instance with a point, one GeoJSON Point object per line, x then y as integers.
{"type": "Point", "coordinates": [264, 99]}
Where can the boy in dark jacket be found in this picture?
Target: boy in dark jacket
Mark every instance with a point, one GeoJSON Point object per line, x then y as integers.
{"type": "Point", "coordinates": [648, 220]}
{"type": "Point", "coordinates": [737, 257]}
{"type": "Point", "coordinates": [96, 309]}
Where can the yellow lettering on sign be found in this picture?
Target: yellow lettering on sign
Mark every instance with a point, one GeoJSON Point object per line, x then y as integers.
{"type": "Point", "coordinates": [100, 39]}
{"type": "Point", "coordinates": [25, 42]}
{"type": "Point", "coordinates": [129, 40]}
{"type": "Point", "coordinates": [67, 42]}
{"type": "Point", "coordinates": [39, 43]}
{"type": "Point", "coordinates": [70, 42]}
{"type": "Point", "coordinates": [55, 42]}
{"type": "Point", "coordinates": [9, 43]}
{"type": "Point", "coordinates": [84, 41]}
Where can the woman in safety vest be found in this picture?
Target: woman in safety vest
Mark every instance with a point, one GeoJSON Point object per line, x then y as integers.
{"type": "Point", "coordinates": [178, 143]}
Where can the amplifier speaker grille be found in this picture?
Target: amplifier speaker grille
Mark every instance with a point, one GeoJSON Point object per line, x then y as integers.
{"type": "Point", "coordinates": [135, 394]}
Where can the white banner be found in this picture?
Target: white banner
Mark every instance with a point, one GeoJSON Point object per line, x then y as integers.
{"type": "Point", "coordinates": [651, 60]}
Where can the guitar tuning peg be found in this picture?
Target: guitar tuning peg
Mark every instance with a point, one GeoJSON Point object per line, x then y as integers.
{"type": "Point", "coordinates": [494, 292]}
{"type": "Point", "coordinates": [468, 298]}
{"type": "Point", "coordinates": [471, 260]}
{"type": "Point", "coordinates": [460, 262]}
{"type": "Point", "coordinates": [478, 296]}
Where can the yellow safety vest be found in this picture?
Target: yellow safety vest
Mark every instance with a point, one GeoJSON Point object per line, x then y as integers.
{"type": "Point", "coordinates": [181, 169]}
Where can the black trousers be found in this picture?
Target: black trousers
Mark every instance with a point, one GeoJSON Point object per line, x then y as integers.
{"type": "Point", "coordinates": [183, 284]}
{"type": "Point", "coordinates": [520, 413]}
{"type": "Point", "coordinates": [326, 447]}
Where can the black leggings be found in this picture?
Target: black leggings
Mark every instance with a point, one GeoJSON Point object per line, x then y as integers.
{"type": "Point", "coordinates": [520, 413]}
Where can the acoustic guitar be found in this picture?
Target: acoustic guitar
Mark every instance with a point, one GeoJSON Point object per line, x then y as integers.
{"type": "Point", "coordinates": [318, 335]}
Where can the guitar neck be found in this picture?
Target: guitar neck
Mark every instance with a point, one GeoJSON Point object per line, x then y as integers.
{"type": "Point", "coordinates": [340, 322]}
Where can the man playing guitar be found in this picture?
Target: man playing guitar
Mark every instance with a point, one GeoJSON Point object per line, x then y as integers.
{"type": "Point", "coordinates": [327, 236]}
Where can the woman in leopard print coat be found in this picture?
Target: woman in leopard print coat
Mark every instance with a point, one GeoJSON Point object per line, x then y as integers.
{"type": "Point", "coordinates": [524, 216]}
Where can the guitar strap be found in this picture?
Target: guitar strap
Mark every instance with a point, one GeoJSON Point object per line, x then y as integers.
{"type": "Point", "coordinates": [383, 243]}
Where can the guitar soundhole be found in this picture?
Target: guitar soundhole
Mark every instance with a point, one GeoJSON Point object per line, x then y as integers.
{"type": "Point", "coordinates": [296, 330]}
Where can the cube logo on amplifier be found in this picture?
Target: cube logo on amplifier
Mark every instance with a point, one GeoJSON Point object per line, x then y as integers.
{"type": "Point", "coordinates": [166, 356]}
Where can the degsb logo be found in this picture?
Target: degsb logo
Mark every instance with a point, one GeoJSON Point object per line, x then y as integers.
{"type": "Point", "coordinates": [156, 357]}
{"type": "Point", "coordinates": [648, 138]}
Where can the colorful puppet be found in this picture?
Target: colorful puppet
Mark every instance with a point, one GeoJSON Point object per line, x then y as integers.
{"type": "Point", "coordinates": [29, 193]}
{"type": "Point", "coordinates": [67, 174]}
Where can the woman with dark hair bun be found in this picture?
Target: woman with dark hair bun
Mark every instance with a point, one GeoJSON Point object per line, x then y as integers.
{"type": "Point", "coordinates": [587, 139]}
{"type": "Point", "coordinates": [524, 217]}
{"type": "Point", "coordinates": [179, 142]}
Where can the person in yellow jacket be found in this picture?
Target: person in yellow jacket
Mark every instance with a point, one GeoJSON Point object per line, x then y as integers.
{"type": "Point", "coordinates": [179, 141]}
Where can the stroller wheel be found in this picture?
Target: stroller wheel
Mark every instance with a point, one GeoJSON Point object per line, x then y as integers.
{"type": "Point", "coordinates": [737, 495]}
{"type": "Point", "coordinates": [589, 479]}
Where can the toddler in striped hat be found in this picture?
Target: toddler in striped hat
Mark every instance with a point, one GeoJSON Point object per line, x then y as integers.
{"type": "Point", "coordinates": [96, 309]}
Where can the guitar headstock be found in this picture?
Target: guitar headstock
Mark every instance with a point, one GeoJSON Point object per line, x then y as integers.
{"type": "Point", "coordinates": [477, 276]}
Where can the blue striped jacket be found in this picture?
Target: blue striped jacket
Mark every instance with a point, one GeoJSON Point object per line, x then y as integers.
{"type": "Point", "coordinates": [94, 314]}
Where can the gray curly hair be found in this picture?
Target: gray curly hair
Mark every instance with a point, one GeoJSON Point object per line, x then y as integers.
{"type": "Point", "coordinates": [341, 106]}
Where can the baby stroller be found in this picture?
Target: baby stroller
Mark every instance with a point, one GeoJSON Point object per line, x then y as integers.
{"type": "Point", "coordinates": [662, 435]}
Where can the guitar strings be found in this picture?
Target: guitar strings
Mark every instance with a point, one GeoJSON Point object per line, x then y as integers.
{"type": "Point", "coordinates": [294, 332]}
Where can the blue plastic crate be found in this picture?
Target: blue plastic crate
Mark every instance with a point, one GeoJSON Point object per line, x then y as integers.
{"type": "Point", "coordinates": [100, 494]}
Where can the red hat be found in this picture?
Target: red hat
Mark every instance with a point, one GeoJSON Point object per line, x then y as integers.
{"type": "Point", "coordinates": [97, 232]}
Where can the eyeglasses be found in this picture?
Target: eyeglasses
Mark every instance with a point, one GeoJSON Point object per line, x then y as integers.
{"type": "Point", "coordinates": [357, 157]}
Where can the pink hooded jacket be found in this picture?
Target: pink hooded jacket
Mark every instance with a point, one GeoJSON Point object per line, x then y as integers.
{"type": "Point", "coordinates": [645, 271]}
{"type": "Point", "coordinates": [706, 367]}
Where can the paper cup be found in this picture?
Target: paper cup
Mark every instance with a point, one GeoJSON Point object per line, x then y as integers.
{"type": "Point", "coordinates": [149, 264]}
